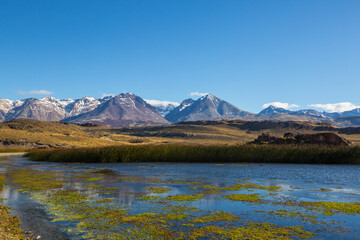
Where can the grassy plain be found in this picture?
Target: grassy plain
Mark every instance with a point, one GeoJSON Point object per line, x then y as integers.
{"type": "Point", "coordinates": [30, 134]}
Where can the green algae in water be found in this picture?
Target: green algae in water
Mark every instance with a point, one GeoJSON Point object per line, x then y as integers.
{"type": "Point", "coordinates": [148, 198]}
{"type": "Point", "coordinates": [243, 197]}
{"type": "Point", "coordinates": [94, 179]}
{"type": "Point", "coordinates": [101, 218]}
{"type": "Point", "coordinates": [331, 208]}
{"type": "Point", "coordinates": [243, 186]}
{"type": "Point", "coordinates": [216, 217]}
{"type": "Point", "coordinates": [293, 214]}
{"type": "Point", "coordinates": [184, 197]}
{"type": "Point", "coordinates": [158, 190]}
{"type": "Point", "coordinates": [263, 231]}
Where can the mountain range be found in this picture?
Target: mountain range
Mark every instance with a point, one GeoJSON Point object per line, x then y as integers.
{"type": "Point", "coordinates": [128, 109]}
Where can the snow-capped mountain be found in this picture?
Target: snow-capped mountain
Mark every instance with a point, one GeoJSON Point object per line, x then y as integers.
{"type": "Point", "coordinates": [207, 107]}
{"type": "Point", "coordinates": [122, 110]}
{"type": "Point", "coordinates": [271, 110]}
{"type": "Point", "coordinates": [83, 105]}
{"type": "Point", "coordinates": [46, 109]}
{"type": "Point", "coordinates": [354, 112]}
{"type": "Point", "coordinates": [163, 107]}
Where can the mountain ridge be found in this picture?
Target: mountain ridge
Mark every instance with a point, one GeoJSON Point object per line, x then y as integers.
{"type": "Point", "coordinates": [122, 113]}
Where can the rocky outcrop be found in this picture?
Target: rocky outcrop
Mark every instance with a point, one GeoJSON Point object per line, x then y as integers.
{"type": "Point", "coordinates": [330, 139]}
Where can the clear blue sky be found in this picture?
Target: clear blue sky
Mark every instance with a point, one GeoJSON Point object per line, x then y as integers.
{"type": "Point", "coordinates": [246, 52]}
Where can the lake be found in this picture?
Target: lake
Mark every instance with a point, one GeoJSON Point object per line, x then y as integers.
{"type": "Point", "coordinates": [199, 201]}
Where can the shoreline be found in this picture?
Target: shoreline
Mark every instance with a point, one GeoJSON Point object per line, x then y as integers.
{"type": "Point", "coordinates": [9, 154]}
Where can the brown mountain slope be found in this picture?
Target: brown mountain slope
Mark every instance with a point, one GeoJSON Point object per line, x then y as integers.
{"type": "Point", "coordinates": [27, 133]}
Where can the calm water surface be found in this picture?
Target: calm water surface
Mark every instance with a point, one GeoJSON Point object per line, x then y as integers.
{"type": "Point", "coordinates": [127, 183]}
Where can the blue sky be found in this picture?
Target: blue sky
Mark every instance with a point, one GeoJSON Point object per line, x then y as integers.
{"type": "Point", "coordinates": [246, 52]}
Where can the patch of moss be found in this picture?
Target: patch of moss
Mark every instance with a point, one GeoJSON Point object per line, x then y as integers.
{"type": "Point", "coordinates": [94, 186]}
{"type": "Point", "coordinates": [263, 231]}
{"type": "Point", "coordinates": [10, 225]}
{"type": "Point", "coordinates": [158, 190]}
{"type": "Point", "coordinates": [216, 217]}
{"type": "Point", "coordinates": [243, 197]}
{"type": "Point", "coordinates": [130, 179]}
{"type": "Point", "coordinates": [106, 200]}
{"type": "Point", "coordinates": [184, 197]}
{"type": "Point", "coordinates": [292, 214]}
{"type": "Point", "coordinates": [148, 198]}
{"type": "Point", "coordinates": [243, 186]}
{"type": "Point", "coordinates": [331, 208]}
{"type": "Point", "coordinates": [176, 216]}
{"type": "Point", "coordinates": [94, 179]}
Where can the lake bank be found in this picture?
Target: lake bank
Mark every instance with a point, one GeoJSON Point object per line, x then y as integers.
{"type": "Point", "coordinates": [9, 225]}
{"type": "Point", "coordinates": [308, 154]}
{"type": "Point", "coordinates": [9, 154]}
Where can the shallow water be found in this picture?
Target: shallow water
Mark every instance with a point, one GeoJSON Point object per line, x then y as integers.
{"type": "Point", "coordinates": [126, 185]}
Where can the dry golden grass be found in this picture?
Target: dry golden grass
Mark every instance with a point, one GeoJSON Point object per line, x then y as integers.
{"type": "Point", "coordinates": [25, 133]}
{"type": "Point", "coordinates": [59, 135]}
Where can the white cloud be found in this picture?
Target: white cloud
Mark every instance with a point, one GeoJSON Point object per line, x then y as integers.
{"type": "Point", "coordinates": [108, 94]}
{"type": "Point", "coordinates": [280, 105]}
{"type": "Point", "coordinates": [335, 107]}
{"type": "Point", "coordinates": [198, 94]}
{"type": "Point", "coordinates": [36, 92]}
{"type": "Point", "coordinates": [158, 103]}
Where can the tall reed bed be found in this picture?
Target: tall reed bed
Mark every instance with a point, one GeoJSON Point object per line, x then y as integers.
{"type": "Point", "coordinates": [206, 154]}
{"type": "Point", "coordinates": [1, 182]}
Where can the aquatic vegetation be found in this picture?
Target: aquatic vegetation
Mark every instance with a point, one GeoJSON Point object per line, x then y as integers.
{"type": "Point", "coordinates": [106, 200]}
{"type": "Point", "coordinates": [176, 216]}
{"type": "Point", "coordinates": [331, 208]}
{"type": "Point", "coordinates": [243, 197]}
{"type": "Point", "coordinates": [324, 190]}
{"type": "Point", "coordinates": [242, 186]}
{"type": "Point", "coordinates": [216, 217]}
{"type": "Point", "coordinates": [130, 179]}
{"type": "Point", "coordinates": [158, 190]}
{"type": "Point", "coordinates": [292, 214]}
{"type": "Point", "coordinates": [211, 192]}
{"type": "Point", "coordinates": [94, 186]}
{"type": "Point", "coordinates": [79, 203]}
{"type": "Point", "coordinates": [261, 231]}
{"type": "Point", "coordinates": [94, 179]}
{"type": "Point", "coordinates": [1, 182]}
{"type": "Point", "coordinates": [148, 198]}
{"type": "Point", "coordinates": [33, 180]}
{"type": "Point", "coordinates": [10, 225]}
{"type": "Point", "coordinates": [184, 197]}
{"type": "Point", "coordinates": [202, 153]}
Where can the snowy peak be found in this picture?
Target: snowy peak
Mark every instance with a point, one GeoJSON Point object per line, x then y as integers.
{"type": "Point", "coordinates": [80, 106]}
{"type": "Point", "coordinates": [271, 110]}
{"type": "Point", "coordinates": [208, 107]}
{"type": "Point", "coordinates": [123, 110]}
{"type": "Point", "coordinates": [163, 107]}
